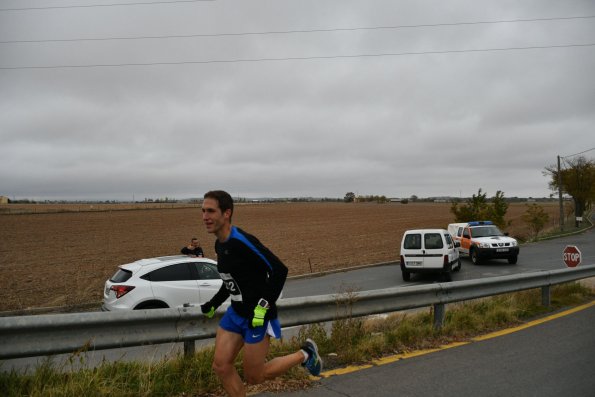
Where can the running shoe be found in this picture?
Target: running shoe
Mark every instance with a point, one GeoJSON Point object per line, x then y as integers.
{"type": "Point", "coordinates": [314, 363]}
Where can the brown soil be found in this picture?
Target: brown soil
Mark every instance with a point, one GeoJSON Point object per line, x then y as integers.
{"type": "Point", "coordinates": [58, 259]}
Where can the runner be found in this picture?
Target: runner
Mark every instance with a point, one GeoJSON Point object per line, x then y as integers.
{"type": "Point", "coordinates": [253, 277]}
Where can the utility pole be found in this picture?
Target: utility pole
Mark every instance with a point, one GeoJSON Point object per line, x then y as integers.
{"type": "Point", "coordinates": [560, 197]}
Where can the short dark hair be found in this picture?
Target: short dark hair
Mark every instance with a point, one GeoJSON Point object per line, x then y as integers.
{"type": "Point", "coordinates": [223, 199]}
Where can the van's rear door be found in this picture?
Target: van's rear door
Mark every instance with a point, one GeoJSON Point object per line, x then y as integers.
{"type": "Point", "coordinates": [433, 250]}
{"type": "Point", "coordinates": [412, 250]}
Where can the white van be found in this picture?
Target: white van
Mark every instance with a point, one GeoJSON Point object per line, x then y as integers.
{"type": "Point", "coordinates": [429, 251]}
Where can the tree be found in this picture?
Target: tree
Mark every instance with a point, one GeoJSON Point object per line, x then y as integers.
{"type": "Point", "coordinates": [349, 197]}
{"type": "Point", "coordinates": [472, 211]}
{"type": "Point", "coordinates": [478, 208]}
{"type": "Point", "coordinates": [536, 218]}
{"type": "Point", "coordinates": [497, 210]}
{"type": "Point", "coordinates": [578, 181]}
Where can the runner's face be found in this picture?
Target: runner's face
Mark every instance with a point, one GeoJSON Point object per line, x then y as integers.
{"type": "Point", "coordinates": [213, 218]}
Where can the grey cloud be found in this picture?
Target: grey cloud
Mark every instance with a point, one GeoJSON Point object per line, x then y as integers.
{"type": "Point", "coordinates": [440, 124]}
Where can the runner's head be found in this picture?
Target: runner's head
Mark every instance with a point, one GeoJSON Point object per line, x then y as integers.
{"type": "Point", "coordinates": [223, 199]}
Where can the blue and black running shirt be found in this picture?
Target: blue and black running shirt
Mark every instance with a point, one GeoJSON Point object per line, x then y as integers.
{"type": "Point", "coordinates": [250, 271]}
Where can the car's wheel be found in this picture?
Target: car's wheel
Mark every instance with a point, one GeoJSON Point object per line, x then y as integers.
{"type": "Point", "coordinates": [406, 275]}
{"type": "Point", "coordinates": [513, 259]}
{"type": "Point", "coordinates": [151, 305]}
{"type": "Point", "coordinates": [447, 276]}
{"type": "Point", "coordinates": [474, 257]}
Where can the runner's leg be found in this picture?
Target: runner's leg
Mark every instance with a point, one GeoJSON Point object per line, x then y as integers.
{"type": "Point", "coordinates": [227, 347]}
{"type": "Point", "coordinates": [257, 369]}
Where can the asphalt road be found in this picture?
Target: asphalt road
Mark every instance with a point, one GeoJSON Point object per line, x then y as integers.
{"type": "Point", "coordinates": [555, 358]}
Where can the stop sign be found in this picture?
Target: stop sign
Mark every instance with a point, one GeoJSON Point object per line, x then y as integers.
{"type": "Point", "coordinates": [571, 256]}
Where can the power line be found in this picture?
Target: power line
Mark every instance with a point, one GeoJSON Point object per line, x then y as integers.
{"type": "Point", "coordinates": [102, 5]}
{"type": "Point", "coordinates": [576, 154]}
{"type": "Point", "coordinates": [300, 31]}
{"type": "Point", "coordinates": [214, 61]}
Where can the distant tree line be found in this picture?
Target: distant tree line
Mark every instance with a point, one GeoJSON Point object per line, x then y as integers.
{"type": "Point", "coordinates": [350, 197]}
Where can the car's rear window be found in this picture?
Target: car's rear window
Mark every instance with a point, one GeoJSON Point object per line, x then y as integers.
{"type": "Point", "coordinates": [177, 272]}
{"type": "Point", "coordinates": [121, 276]}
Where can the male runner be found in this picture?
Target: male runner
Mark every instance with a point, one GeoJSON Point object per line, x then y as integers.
{"type": "Point", "coordinates": [253, 277]}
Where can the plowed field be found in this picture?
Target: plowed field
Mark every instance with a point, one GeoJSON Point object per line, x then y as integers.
{"type": "Point", "coordinates": [58, 259]}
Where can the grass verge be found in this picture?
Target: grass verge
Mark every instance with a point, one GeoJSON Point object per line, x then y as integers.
{"type": "Point", "coordinates": [350, 341]}
{"type": "Point", "coordinates": [569, 229]}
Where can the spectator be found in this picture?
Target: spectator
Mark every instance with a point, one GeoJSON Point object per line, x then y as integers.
{"type": "Point", "coordinates": [193, 249]}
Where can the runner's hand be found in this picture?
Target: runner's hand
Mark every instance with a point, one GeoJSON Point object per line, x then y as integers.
{"type": "Point", "coordinates": [208, 310]}
{"type": "Point", "coordinates": [259, 314]}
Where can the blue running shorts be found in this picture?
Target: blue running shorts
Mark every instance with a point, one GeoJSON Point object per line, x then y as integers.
{"type": "Point", "coordinates": [235, 323]}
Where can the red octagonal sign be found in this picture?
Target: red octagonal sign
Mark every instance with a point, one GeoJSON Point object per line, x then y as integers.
{"type": "Point", "coordinates": [571, 256]}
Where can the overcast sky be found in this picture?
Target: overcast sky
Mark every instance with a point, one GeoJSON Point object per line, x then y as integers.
{"type": "Point", "coordinates": [394, 98]}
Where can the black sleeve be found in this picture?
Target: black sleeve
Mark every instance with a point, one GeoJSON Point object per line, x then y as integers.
{"type": "Point", "coordinates": [185, 251]}
{"type": "Point", "coordinates": [277, 273]}
{"type": "Point", "coordinates": [276, 278]}
{"type": "Point", "coordinates": [220, 296]}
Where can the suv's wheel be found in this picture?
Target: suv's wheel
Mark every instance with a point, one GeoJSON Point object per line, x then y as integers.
{"type": "Point", "coordinates": [474, 257]}
{"type": "Point", "coordinates": [152, 305]}
{"type": "Point", "coordinates": [513, 259]}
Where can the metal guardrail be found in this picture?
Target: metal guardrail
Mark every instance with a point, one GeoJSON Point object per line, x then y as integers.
{"type": "Point", "coordinates": [29, 336]}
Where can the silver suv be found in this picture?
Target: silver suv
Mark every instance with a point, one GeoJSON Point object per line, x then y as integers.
{"type": "Point", "coordinates": [168, 281]}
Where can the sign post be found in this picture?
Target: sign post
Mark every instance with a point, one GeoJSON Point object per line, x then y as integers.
{"type": "Point", "coordinates": [571, 256]}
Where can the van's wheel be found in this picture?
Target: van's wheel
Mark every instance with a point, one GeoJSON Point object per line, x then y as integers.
{"type": "Point", "coordinates": [447, 276]}
{"type": "Point", "coordinates": [513, 259]}
{"type": "Point", "coordinates": [474, 257]}
{"type": "Point", "coordinates": [406, 275]}
{"type": "Point", "coordinates": [459, 264]}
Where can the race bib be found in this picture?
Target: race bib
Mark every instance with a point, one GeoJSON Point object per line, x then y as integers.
{"type": "Point", "coordinates": [232, 287]}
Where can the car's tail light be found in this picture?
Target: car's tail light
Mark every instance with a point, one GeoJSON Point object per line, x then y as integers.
{"type": "Point", "coordinates": [121, 290]}
{"type": "Point", "coordinates": [445, 260]}
{"type": "Point", "coordinates": [402, 260]}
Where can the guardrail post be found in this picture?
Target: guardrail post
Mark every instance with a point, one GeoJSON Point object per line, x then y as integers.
{"type": "Point", "coordinates": [546, 299]}
{"type": "Point", "coordinates": [189, 345]}
{"type": "Point", "coordinates": [438, 315]}
{"type": "Point", "coordinates": [189, 348]}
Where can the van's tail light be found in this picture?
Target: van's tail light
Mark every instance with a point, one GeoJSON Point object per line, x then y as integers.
{"type": "Point", "coordinates": [402, 260]}
{"type": "Point", "coordinates": [445, 260]}
{"type": "Point", "coordinates": [121, 290]}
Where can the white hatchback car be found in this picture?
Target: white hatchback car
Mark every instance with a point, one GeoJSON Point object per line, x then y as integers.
{"type": "Point", "coordinates": [429, 251]}
{"type": "Point", "coordinates": [168, 281]}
